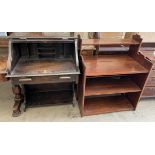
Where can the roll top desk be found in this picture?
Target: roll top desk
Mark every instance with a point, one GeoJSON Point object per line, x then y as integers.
{"type": "Point", "coordinates": [43, 70]}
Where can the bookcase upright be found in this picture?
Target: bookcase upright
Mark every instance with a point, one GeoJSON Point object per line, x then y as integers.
{"type": "Point", "coordinates": [112, 81]}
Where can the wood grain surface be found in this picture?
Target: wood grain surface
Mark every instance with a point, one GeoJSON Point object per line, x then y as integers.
{"type": "Point", "coordinates": [112, 65]}
{"type": "Point", "coordinates": [102, 105]}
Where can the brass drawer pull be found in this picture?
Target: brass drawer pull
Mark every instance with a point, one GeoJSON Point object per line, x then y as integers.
{"type": "Point", "coordinates": [64, 77]}
{"type": "Point", "coordinates": [25, 80]}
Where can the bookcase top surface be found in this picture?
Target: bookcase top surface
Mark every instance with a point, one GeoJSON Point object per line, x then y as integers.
{"type": "Point", "coordinates": [109, 42]}
{"type": "Point", "coordinates": [112, 65]}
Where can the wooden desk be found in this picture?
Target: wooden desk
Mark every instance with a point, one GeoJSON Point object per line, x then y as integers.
{"type": "Point", "coordinates": [43, 70]}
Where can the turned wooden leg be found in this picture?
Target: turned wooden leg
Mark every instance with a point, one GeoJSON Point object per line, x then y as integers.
{"type": "Point", "coordinates": [18, 100]}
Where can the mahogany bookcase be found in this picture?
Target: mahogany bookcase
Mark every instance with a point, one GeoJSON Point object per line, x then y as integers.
{"type": "Point", "coordinates": [112, 81]}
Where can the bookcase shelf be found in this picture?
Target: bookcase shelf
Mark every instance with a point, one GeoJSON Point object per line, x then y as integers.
{"type": "Point", "coordinates": [112, 65]}
{"type": "Point", "coordinates": [112, 81]}
{"type": "Point", "coordinates": [109, 104]}
{"type": "Point", "coordinates": [110, 42]}
{"type": "Point", "coordinates": [101, 86]}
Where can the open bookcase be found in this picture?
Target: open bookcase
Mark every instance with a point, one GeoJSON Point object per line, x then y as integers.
{"type": "Point", "coordinates": [112, 81]}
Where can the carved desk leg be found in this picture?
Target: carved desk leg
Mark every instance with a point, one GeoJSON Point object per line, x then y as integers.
{"type": "Point", "coordinates": [18, 100]}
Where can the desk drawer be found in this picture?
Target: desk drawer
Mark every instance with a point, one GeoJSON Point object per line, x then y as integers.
{"type": "Point", "coordinates": [149, 92]}
{"type": "Point", "coordinates": [44, 79]}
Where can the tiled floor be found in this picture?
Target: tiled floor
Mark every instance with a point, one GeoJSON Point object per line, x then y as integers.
{"type": "Point", "coordinates": [145, 111]}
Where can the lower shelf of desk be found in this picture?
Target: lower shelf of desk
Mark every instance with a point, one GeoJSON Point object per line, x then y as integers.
{"type": "Point", "coordinates": [48, 94]}
{"type": "Point", "coordinates": [49, 98]}
{"type": "Point", "coordinates": [101, 105]}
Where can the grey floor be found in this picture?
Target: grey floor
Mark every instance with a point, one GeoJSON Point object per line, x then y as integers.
{"type": "Point", "coordinates": [145, 111]}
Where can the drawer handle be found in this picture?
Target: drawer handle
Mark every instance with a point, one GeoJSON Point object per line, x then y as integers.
{"type": "Point", "coordinates": [25, 80]}
{"type": "Point", "coordinates": [64, 77]}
